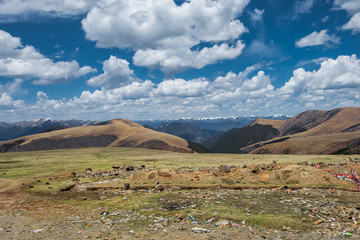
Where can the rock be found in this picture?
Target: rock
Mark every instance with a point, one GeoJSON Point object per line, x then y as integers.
{"type": "Point", "coordinates": [115, 167]}
{"type": "Point", "coordinates": [163, 174]}
{"type": "Point", "coordinates": [159, 188]}
{"type": "Point", "coordinates": [200, 230]}
{"type": "Point", "coordinates": [127, 186]}
{"type": "Point", "coordinates": [224, 169]}
{"type": "Point", "coordinates": [223, 222]}
{"type": "Point", "coordinates": [318, 221]}
{"type": "Point", "coordinates": [129, 168]}
{"type": "Point", "coordinates": [256, 169]}
{"type": "Point", "coordinates": [132, 231]}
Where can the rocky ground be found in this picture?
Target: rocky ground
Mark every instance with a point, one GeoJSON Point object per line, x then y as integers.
{"type": "Point", "coordinates": [320, 214]}
{"type": "Point", "coordinates": [106, 208]}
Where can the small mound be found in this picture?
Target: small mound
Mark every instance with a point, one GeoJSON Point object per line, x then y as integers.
{"type": "Point", "coordinates": [156, 176]}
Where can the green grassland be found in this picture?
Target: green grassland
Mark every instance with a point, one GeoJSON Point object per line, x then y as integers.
{"type": "Point", "coordinates": [25, 167]}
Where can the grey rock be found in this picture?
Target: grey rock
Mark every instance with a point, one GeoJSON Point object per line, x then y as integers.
{"type": "Point", "coordinates": [200, 230]}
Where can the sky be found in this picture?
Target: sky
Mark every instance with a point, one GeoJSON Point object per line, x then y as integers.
{"type": "Point", "coordinates": [168, 59]}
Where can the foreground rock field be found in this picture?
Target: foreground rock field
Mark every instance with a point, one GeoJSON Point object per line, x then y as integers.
{"type": "Point", "coordinates": [259, 201]}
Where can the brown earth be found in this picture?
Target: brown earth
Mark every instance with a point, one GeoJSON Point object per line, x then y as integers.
{"type": "Point", "coordinates": [241, 177]}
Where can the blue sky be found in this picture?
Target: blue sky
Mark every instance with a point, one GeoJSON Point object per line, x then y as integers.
{"type": "Point", "coordinates": [160, 59]}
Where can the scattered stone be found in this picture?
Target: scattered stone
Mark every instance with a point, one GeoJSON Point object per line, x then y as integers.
{"type": "Point", "coordinates": [318, 221]}
{"type": "Point", "coordinates": [200, 230]}
{"type": "Point", "coordinates": [159, 188]}
{"type": "Point", "coordinates": [127, 186]}
{"type": "Point", "coordinates": [222, 223]}
{"type": "Point", "coordinates": [129, 168]}
{"type": "Point", "coordinates": [224, 169]}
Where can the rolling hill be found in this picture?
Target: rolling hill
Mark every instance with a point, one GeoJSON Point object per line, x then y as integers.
{"type": "Point", "coordinates": [114, 133]}
{"type": "Point", "coordinates": [310, 132]}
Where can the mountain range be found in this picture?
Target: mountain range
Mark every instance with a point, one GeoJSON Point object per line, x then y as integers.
{"type": "Point", "coordinates": [202, 129]}
{"type": "Point", "coordinates": [19, 129]}
{"type": "Point", "coordinates": [312, 132]}
{"type": "Point", "coordinates": [196, 130]}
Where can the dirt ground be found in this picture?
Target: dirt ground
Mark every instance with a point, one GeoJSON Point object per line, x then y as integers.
{"type": "Point", "coordinates": [273, 201]}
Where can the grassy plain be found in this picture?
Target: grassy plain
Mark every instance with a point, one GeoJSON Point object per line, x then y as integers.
{"type": "Point", "coordinates": [27, 165]}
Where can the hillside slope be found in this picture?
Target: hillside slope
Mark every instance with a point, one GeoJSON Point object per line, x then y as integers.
{"type": "Point", "coordinates": [310, 132]}
{"type": "Point", "coordinates": [114, 133]}
{"type": "Point", "coordinates": [188, 131]}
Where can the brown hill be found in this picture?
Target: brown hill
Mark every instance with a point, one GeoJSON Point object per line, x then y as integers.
{"type": "Point", "coordinates": [315, 132]}
{"type": "Point", "coordinates": [316, 122]}
{"type": "Point", "coordinates": [114, 133]}
{"type": "Point", "coordinates": [310, 132]}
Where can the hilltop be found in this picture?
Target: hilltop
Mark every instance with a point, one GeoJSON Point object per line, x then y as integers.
{"type": "Point", "coordinates": [113, 133]}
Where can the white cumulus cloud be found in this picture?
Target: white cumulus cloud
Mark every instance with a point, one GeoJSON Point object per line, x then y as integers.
{"type": "Point", "coordinates": [7, 103]}
{"type": "Point", "coordinates": [182, 88]}
{"type": "Point", "coordinates": [353, 8]}
{"type": "Point", "coordinates": [25, 62]}
{"type": "Point", "coordinates": [22, 8]}
{"type": "Point", "coordinates": [353, 24]}
{"type": "Point", "coordinates": [116, 74]}
{"type": "Point", "coordinates": [171, 61]}
{"type": "Point", "coordinates": [164, 34]}
{"type": "Point", "coordinates": [335, 83]}
{"type": "Point", "coordinates": [317, 38]}
{"type": "Point", "coordinates": [333, 75]}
